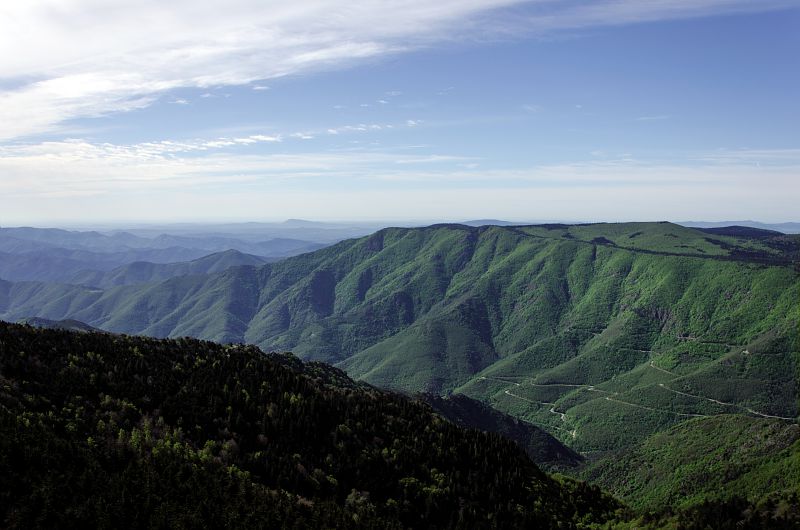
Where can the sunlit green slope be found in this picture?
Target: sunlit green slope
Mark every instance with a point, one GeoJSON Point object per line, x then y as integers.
{"type": "Point", "coordinates": [706, 458]}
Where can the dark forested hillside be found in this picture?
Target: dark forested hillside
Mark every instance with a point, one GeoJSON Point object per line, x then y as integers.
{"type": "Point", "coordinates": [70, 325]}
{"type": "Point", "coordinates": [542, 447]}
{"type": "Point", "coordinates": [105, 431]}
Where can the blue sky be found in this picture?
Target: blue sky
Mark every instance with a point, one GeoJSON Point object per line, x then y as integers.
{"type": "Point", "coordinates": [245, 110]}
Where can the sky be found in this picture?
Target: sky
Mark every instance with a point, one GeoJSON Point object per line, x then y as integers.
{"type": "Point", "coordinates": [254, 110]}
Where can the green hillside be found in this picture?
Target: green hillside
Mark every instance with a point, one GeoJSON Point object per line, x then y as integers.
{"type": "Point", "coordinates": [104, 431]}
{"type": "Point", "coordinates": [705, 458]}
{"type": "Point", "coordinates": [603, 334]}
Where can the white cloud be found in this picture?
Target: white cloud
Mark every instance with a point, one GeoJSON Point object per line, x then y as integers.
{"type": "Point", "coordinates": [759, 157]}
{"type": "Point", "coordinates": [557, 15]}
{"type": "Point", "coordinates": [79, 168]}
{"type": "Point", "coordinates": [93, 57]}
{"type": "Point", "coordinates": [364, 127]}
{"type": "Point", "coordinates": [65, 179]}
{"type": "Point", "coordinates": [212, 198]}
{"type": "Point", "coordinates": [87, 58]}
{"type": "Point", "coordinates": [431, 159]}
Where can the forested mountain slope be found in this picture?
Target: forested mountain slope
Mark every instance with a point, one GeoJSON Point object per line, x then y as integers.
{"type": "Point", "coordinates": [541, 447]}
{"type": "Point", "coordinates": [706, 458]}
{"type": "Point", "coordinates": [602, 333]}
{"type": "Point", "coordinates": [104, 431]}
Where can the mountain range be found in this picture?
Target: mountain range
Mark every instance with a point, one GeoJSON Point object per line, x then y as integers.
{"type": "Point", "coordinates": [608, 336]}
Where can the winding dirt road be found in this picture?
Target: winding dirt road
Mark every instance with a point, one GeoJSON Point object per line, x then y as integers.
{"type": "Point", "coordinates": [591, 388]}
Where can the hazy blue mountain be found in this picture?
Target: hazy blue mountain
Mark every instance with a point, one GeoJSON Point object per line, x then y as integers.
{"type": "Point", "coordinates": [786, 228]}
{"type": "Point", "coordinates": [67, 256]}
{"type": "Point", "coordinates": [274, 248]}
{"type": "Point", "coordinates": [84, 240]}
{"type": "Point", "coordinates": [146, 272]}
{"type": "Point", "coordinates": [25, 239]}
{"type": "Point", "coordinates": [41, 266]}
{"type": "Point", "coordinates": [488, 222]}
{"type": "Point", "coordinates": [55, 264]}
{"type": "Point", "coordinates": [311, 231]}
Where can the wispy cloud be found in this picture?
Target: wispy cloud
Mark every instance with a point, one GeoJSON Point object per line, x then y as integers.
{"type": "Point", "coordinates": [91, 58]}
{"type": "Point", "coordinates": [570, 15]}
{"type": "Point", "coordinates": [70, 164]}
{"type": "Point", "coordinates": [653, 118]}
{"type": "Point", "coordinates": [45, 168]}
{"type": "Point", "coordinates": [760, 157]}
{"type": "Point", "coordinates": [88, 58]}
{"type": "Point", "coordinates": [233, 177]}
{"type": "Point", "coordinates": [73, 168]}
{"type": "Point", "coordinates": [64, 177]}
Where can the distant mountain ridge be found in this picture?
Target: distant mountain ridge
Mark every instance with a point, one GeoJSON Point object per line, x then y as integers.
{"type": "Point", "coordinates": [56, 255]}
{"type": "Point", "coordinates": [785, 228]}
{"type": "Point", "coordinates": [25, 239]}
{"type": "Point", "coordinates": [61, 265]}
{"type": "Point", "coordinates": [144, 272]}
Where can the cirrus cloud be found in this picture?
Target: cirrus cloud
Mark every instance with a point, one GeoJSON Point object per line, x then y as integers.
{"type": "Point", "coordinates": [87, 58]}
